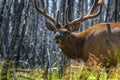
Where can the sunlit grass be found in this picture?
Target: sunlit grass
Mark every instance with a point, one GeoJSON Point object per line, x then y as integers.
{"type": "Point", "coordinates": [73, 71]}
{"type": "Point", "coordinates": [87, 73]}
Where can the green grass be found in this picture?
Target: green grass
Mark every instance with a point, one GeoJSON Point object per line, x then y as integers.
{"type": "Point", "coordinates": [74, 71]}
{"type": "Point", "coordinates": [91, 73]}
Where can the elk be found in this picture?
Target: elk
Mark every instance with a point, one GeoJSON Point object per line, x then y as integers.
{"type": "Point", "coordinates": [99, 39]}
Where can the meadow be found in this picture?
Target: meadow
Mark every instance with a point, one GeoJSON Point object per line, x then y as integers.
{"type": "Point", "coordinates": [73, 71]}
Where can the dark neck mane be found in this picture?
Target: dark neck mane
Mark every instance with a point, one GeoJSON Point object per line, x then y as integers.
{"type": "Point", "coordinates": [73, 48]}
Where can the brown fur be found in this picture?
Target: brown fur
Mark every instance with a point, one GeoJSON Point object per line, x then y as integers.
{"type": "Point", "coordinates": [96, 40]}
{"type": "Point", "coordinates": [100, 40]}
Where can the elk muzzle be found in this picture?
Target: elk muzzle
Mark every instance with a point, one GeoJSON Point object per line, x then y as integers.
{"type": "Point", "coordinates": [58, 37]}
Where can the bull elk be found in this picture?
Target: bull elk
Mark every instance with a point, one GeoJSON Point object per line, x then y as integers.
{"type": "Point", "coordinates": [98, 39]}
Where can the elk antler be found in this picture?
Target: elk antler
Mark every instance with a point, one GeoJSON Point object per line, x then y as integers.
{"type": "Point", "coordinates": [74, 25]}
{"type": "Point", "coordinates": [43, 12]}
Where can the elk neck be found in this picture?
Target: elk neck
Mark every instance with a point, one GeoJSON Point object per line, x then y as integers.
{"type": "Point", "coordinates": [73, 45]}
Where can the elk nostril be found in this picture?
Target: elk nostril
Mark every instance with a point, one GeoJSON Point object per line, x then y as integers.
{"type": "Point", "coordinates": [57, 37]}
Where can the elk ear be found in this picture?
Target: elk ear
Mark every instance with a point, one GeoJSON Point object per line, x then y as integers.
{"type": "Point", "coordinates": [50, 26]}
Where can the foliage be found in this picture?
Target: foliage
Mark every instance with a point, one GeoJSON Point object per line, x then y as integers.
{"type": "Point", "coordinates": [74, 71]}
{"type": "Point", "coordinates": [81, 72]}
{"type": "Point", "coordinates": [92, 70]}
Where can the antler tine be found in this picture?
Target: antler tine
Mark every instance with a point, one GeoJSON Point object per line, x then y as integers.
{"type": "Point", "coordinates": [94, 6]}
{"type": "Point", "coordinates": [43, 12]}
{"type": "Point", "coordinates": [43, 4]}
{"type": "Point", "coordinates": [66, 16]}
{"type": "Point", "coordinates": [57, 18]}
{"type": "Point", "coordinates": [90, 14]}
